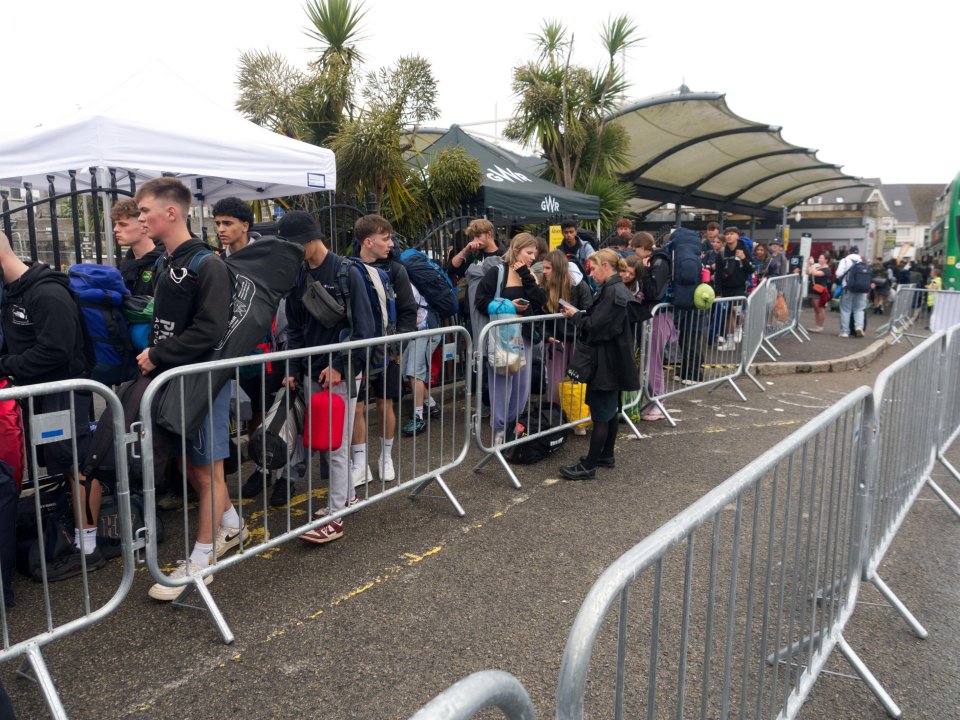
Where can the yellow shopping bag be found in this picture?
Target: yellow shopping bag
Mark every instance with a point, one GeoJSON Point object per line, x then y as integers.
{"type": "Point", "coordinates": [572, 400]}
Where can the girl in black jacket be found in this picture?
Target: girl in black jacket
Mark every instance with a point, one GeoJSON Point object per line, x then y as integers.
{"type": "Point", "coordinates": [607, 330]}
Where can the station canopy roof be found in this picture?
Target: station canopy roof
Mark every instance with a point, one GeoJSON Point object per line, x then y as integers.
{"type": "Point", "coordinates": [691, 149]}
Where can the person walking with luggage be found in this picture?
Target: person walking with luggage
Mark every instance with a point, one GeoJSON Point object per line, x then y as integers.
{"type": "Point", "coordinates": [856, 278]}
{"type": "Point", "coordinates": [511, 287]}
{"type": "Point", "coordinates": [608, 338]}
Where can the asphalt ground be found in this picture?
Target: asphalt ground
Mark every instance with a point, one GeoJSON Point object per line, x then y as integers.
{"type": "Point", "coordinates": [414, 598]}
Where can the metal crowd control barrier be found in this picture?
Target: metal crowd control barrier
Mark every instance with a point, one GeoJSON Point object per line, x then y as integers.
{"type": "Point", "coordinates": [902, 313]}
{"type": "Point", "coordinates": [749, 641]}
{"type": "Point", "coordinates": [696, 359]}
{"type": "Point", "coordinates": [949, 399]}
{"type": "Point", "coordinates": [754, 325]}
{"type": "Point", "coordinates": [68, 606]}
{"type": "Point", "coordinates": [420, 460]}
{"type": "Point", "coordinates": [517, 397]}
{"type": "Point", "coordinates": [790, 288]}
{"type": "Point", "coordinates": [486, 689]}
{"type": "Point", "coordinates": [912, 306]}
{"type": "Point", "coordinates": [906, 397]}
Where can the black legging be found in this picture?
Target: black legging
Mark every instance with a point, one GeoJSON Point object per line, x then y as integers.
{"type": "Point", "coordinates": [602, 440]}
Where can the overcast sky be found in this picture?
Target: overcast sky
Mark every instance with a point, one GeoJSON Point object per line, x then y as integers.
{"type": "Point", "coordinates": [873, 89]}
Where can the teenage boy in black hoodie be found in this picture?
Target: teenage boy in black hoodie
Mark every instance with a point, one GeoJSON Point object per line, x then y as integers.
{"type": "Point", "coordinates": [190, 316]}
{"type": "Point", "coordinates": [338, 371]}
{"type": "Point", "coordinates": [734, 268]}
{"type": "Point", "coordinates": [142, 253]}
{"type": "Point", "coordinates": [43, 342]}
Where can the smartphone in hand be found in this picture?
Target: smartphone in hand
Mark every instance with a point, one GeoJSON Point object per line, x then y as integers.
{"type": "Point", "coordinates": [566, 304]}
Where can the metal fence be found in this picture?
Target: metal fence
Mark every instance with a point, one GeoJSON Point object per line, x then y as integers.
{"type": "Point", "coordinates": [686, 350]}
{"type": "Point", "coordinates": [782, 300]}
{"type": "Point", "coordinates": [318, 491]}
{"type": "Point", "coordinates": [52, 414]}
{"type": "Point", "coordinates": [486, 689]}
{"type": "Point", "coordinates": [522, 363]}
{"type": "Point", "coordinates": [949, 399]}
{"type": "Point", "coordinates": [754, 325]}
{"type": "Point", "coordinates": [724, 602]}
{"type": "Point", "coordinates": [909, 428]}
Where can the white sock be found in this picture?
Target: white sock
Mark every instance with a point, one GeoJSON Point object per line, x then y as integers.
{"type": "Point", "coordinates": [359, 455]}
{"type": "Point", "coordinates": [230, 518]}
{"type": "Point", "coordinates": [418, 412]}
{"type": "Point", "coordinates": [431, 402]}
{"type": "Point", "coordinates": [387, 447]}
{"type": "Point", "coordinates": [89, 542]}
{"type": "Point", "coordinates": [201, 554]}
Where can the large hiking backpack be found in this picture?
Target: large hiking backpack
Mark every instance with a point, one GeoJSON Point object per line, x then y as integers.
{"type": "Point", "coordinates": [101, 291]}
{"type": "Point", "coordinates": [534, 420]}
{"type": "Point", "coordinates": [685, 266]}
{"type": "Point", "coordinates": [859, 277]}
{"type": "Point", "coordinates": [260, 276]}
{"type": "Point", "coordinates": [431, 282]}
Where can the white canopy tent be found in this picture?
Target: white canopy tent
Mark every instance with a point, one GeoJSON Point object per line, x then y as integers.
{"type": "Point", "coordinates": [213, 150]}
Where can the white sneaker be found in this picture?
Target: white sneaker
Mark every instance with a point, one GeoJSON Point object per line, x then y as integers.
{"type": "Point", "coordinates": [229, 538]}
{"type": "Point", "coordinates": [498, 437]}
{"type": "Point", "coordinates": [387, 473]}
{"type": "Point", "coordinates": [580, 430]}
{"type": "Point", "coordinates": [169, 594]}
{"type": "Point", "coordinates": [722, 345]}
{"type": "Point", "coordinates": [360, 475]}
{"type": "Point", "coordinates": [738, 335]}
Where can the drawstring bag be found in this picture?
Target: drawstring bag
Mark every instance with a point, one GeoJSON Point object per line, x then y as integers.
{"type": "Point", "coordinates": [781, 313]}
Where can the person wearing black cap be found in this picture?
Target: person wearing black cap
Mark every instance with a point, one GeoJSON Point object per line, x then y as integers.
{"type": "Point", "coordinates": [778, 264]}
{"type": "Point", "coordinates": [337, 371]}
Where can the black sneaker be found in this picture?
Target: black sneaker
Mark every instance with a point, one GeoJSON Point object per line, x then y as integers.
{"type": "Point", "coordinates": [278, 497]}
{"type": "Point", "coordinates": [607, 462]}
{"type": "Point", "coordinates": [434, 411]}
{"type": "Point", "coordinates": [69, 566]}
{"type": "Point", "coordinates": [254, 484]}
{"type": "Point", "coordinates": [578, 472]}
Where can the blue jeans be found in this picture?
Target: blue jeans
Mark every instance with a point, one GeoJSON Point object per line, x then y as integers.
{"type": "Point", "coordinates": [854, 303]}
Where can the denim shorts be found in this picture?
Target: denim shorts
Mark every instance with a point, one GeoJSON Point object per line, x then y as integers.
{"type": "Point", "coordinates": [416, 357]}
{"type": "Point", "coordinates": [199, 446]}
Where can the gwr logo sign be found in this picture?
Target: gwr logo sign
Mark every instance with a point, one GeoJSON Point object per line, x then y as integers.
{"type": "Point", "coordinates": [498, 174]}
{"type": "Point", "coordinates": [550, 204]}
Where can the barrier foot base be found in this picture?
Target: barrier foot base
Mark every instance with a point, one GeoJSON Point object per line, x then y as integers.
{"type": "Point", "coordinates": [754, 380]}
{"type": "Point", "coordinates": [443, 488]}
{"type": "Point", "coordinates": [506, 466]}
{"type": "Point", "coordinates": [943, 496]}
{"type": "Point", "coordinates": [766, 350]}
{"type": "Point", "coordinates": [803, 331]}
{"type": "Point", "coordinates": [794, 648]}
{"type": "Point", "coordinates": [797, 336]}
{"type": "Point", "coordinates": [897, 605]}
{"type": "Point", "coordinates": [208, 605]}
{"type": "Point", "coordinates": [949, 468]}
{"type": "Point", "coordinates": [864, 672]}
{"type": "Point", "coordinates": [34, 669]}
{"type": "Point", "coordinates": [632, 425]}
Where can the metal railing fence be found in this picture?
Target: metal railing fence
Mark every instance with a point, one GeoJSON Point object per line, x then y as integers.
{"type": "Point", "coordinates": [702, 354]}
{"type": "Point", "coordinates": [725, 599]}
{"type": "Point", "coordinates": [74, 604]}
{"type": "Point", "coordinates": [418, 460]}
{"type": "Point", "coordinates": [476, 692]}
{"type": "Point", "coordinates": [754, 325]}
{"type": "Point", "coordinates": [949, 419]}
{"type": "Point", "coordinates": [782, 300]}
{"type": "Point", "coordinates": [909, 417]}
{"type": "Point", "coordinates": [522, 393]}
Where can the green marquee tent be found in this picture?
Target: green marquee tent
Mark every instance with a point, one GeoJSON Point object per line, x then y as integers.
{"type": "Point", "coordinates": [512, 192]}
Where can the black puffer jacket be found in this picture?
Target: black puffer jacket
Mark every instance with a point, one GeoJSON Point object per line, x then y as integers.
{"type": "Point", "coordinates": [41, 329]}
{"type": "Point", "coordinates": [607, 329]}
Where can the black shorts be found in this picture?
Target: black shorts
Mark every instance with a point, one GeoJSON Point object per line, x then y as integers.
{"type": "Point", "coordinates": [271, 382]}
{"type": "Point", "coordinates": [389, 376]}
